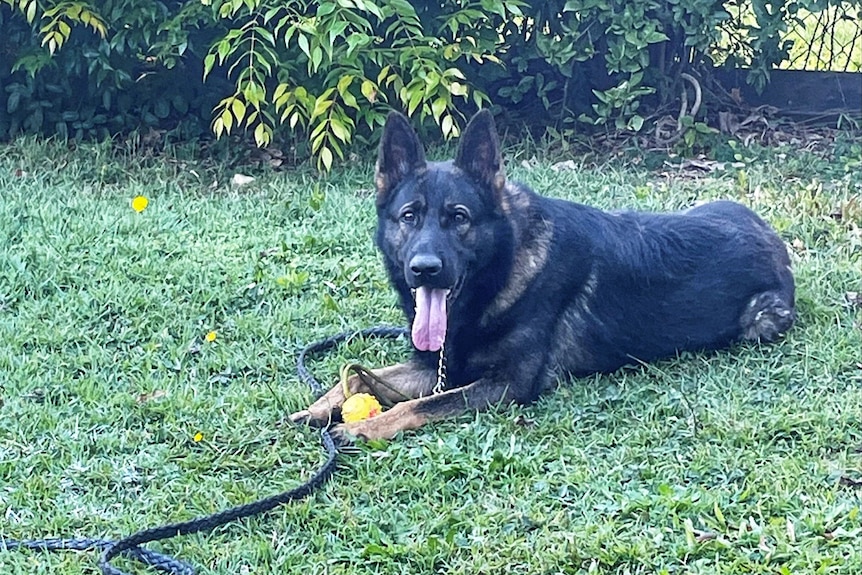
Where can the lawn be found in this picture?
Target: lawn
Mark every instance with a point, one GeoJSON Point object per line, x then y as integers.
{"type": "Point", "coordinates": [147, 366]}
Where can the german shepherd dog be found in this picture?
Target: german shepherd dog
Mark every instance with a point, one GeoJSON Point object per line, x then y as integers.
{"type": "Point", "coordinates": [509, 290]}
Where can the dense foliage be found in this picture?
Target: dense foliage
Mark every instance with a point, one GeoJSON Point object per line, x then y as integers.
{"type": "Point", "coordinates": [323, 74]}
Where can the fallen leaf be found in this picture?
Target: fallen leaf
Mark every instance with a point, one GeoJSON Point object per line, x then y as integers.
{"type": "Point", "coordinates": [240, 180]}
{"type": "Point", "coordinates": [567, 165]}
{"type": "Point", "coordinates": [703, 536]}
{"type": "Point", "coordinates": [151, 396]}
{"type": "Point", "coordinates": [701, 164]}
{"type": "Point", "coordinates": [727, 123]}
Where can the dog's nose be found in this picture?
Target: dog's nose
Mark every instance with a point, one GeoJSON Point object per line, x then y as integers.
{"type": "Point", "coordinates": [426, 265]}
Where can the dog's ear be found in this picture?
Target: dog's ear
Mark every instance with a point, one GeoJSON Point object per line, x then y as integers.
{"type": "Point", "coordinates": [399, 155]}
{"type": "Point", "coordinates": [479, 152]}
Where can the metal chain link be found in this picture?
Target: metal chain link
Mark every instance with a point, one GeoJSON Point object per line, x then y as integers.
{"type": "Point", "coordinates": [440, 385]}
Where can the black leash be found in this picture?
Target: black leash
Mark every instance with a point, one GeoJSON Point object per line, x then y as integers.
{"type": "Point", "coordinates": [328, 343]}
{"type": "Point", "coordinates": [130, 546]}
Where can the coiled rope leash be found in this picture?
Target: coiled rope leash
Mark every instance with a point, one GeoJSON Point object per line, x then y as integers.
{"type": "Point", "coordinates": [130, 546]}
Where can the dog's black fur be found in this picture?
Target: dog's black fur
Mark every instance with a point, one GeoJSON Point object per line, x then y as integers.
{"type": "Point", "coordinates": [540, 287]}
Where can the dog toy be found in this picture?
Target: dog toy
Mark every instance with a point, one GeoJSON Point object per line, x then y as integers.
{"type": "Point", "coordinates": [360, 406]}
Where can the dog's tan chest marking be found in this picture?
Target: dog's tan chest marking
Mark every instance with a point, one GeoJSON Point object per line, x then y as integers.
{"type": "Point", "coordinates": [570, 328]}
{"type": "Point", "coordinates": [529, 261]}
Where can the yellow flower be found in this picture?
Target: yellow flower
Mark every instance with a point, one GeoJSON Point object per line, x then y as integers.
{"type": "Point", "coordinates": [198, 437]}
{"type": "Point", "coordinates": [140, 203]}
{"type": "Point", "coordinates": [211, 336]}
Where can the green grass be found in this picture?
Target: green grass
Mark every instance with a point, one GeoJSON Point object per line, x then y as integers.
{"type": "Point", "coordinates": [746, 461]}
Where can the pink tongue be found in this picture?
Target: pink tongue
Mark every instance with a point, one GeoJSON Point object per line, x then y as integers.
{"type": "Point", "coordinates": [429, 325]}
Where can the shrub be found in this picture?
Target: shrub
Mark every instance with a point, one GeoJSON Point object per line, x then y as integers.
{"type": "Point", "coordinates": [79, 72]}
{"type": "Point", "coordinates": [334, 68]}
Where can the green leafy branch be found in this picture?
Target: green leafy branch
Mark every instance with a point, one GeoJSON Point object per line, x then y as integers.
{"type": "Point", "coordinates": [327, 68]}
{"type": "Point", "coordinates": [61, 18]}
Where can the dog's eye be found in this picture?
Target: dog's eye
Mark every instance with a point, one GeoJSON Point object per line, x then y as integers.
{"type": "Point", "coordinates": [408, 217]}
{"type": "Point", "coordinates": [460, 217]}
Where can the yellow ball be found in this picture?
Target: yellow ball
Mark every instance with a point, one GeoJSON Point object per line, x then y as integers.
{"type": "Point", "coordinates": [360, 406]}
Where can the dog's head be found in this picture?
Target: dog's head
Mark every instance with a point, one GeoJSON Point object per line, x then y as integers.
{"type": "Point", "coordinates": [439, 223]}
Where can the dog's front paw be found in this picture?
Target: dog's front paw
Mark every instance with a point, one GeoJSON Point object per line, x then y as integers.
{"type": "Point", "coordinates": [312, 418]}
{"type": "Point", "coordinates": [344, 436]}
{"type": "Point", "coordinates": [301, 417]}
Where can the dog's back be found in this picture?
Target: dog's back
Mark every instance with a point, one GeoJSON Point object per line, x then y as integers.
{"type": "Point", "coordinates": [663, 283]}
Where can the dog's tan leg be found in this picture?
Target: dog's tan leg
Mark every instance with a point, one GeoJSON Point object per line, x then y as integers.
{"type": "Point", "coordinates": [402, 417]}
{"type": "Point", "coordinates": [400, 382]}
{"type": "Point", "coordinates": [417, 412]}
{"type": "Point", "coordinates": [320, 412]}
